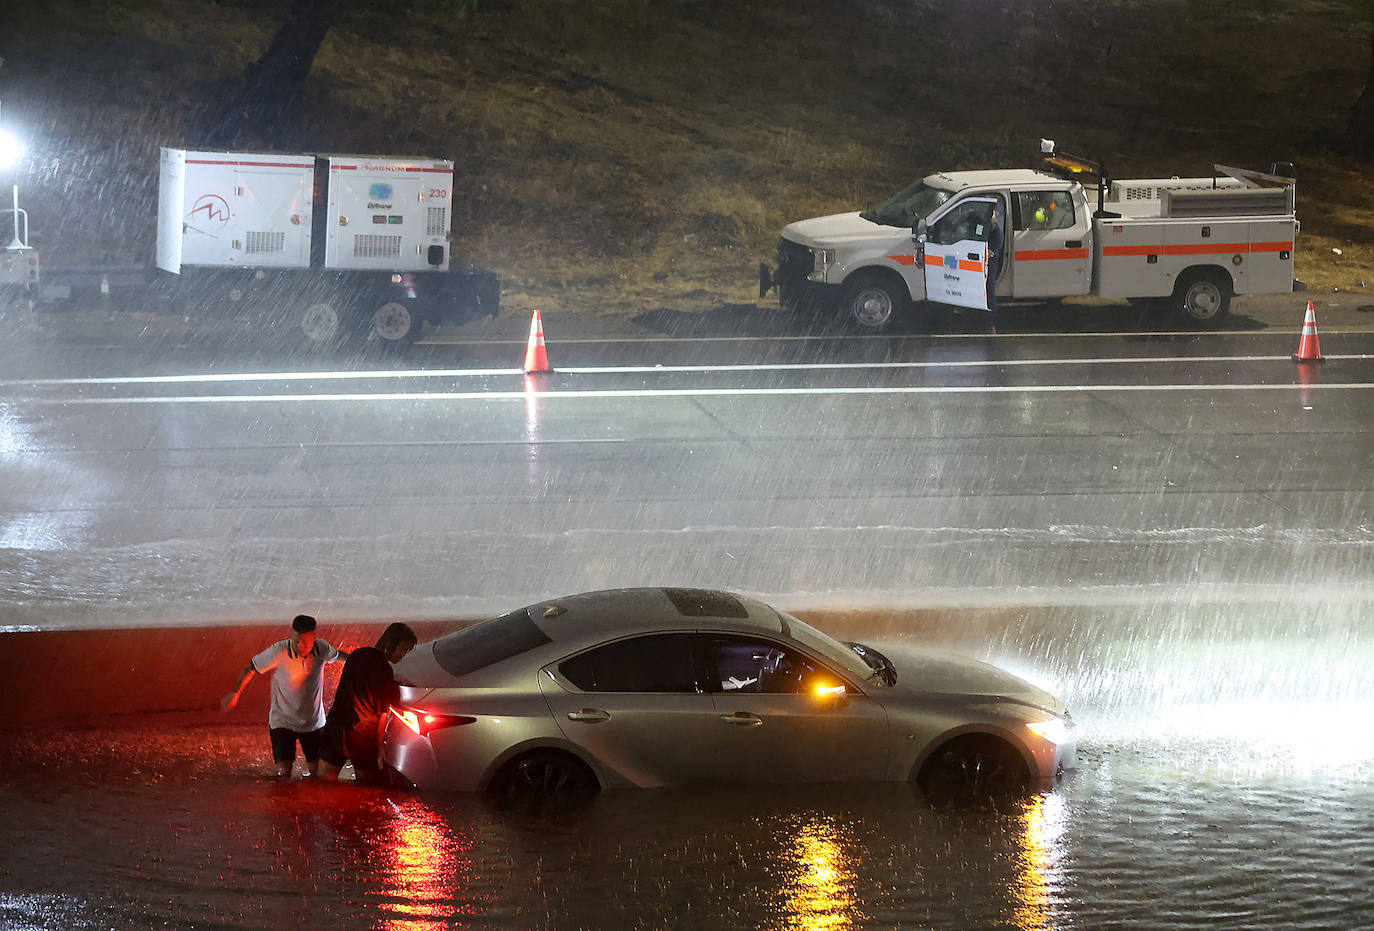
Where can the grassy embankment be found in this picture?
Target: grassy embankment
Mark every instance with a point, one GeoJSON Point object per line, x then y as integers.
{"type": "Point", "coordinates": [628, 155]}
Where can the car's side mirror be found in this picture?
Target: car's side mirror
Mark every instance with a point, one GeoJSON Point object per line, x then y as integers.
{"type": "Point", "coordinates": [920, 233]}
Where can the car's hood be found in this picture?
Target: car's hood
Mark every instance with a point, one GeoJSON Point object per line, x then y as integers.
{"type": "Point", "coordinates": [928, 671]}
{"type": "Point", "coordinates": [839, 228]}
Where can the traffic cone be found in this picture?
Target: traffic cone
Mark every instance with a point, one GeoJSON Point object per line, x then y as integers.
{"type": "Point", "coordinates": [536, 356]}
{"type": "Point", "coordinates": [1309, 349]}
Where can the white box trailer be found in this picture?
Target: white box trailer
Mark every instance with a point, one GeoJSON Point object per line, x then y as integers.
{"type": "Point", "coordinates": [1193, 241]}
{"type": "Point", "coordinates": [335, 244]}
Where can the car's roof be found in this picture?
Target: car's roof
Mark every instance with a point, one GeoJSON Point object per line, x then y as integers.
{"type": "Point", "coordinates": [571, 623]}
{"type": "Point", "coordinates": [594, 615]}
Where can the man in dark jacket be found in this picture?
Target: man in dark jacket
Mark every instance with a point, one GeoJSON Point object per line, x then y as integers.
{"type": "Point", "coordinates": [996, 242]}
{"type": "Point", "coordinates": [367, 689]}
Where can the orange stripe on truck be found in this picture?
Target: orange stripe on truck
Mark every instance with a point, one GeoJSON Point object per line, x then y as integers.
{"type": "Point", "coordinates": [966, 266]}
{"type": "Point", "coordinates": [936, 260]}
{"type": "Point", "coordinates": [1045, 255]}
{"type": "Point", "coordinates": [903, 259]}
{"type": "Point", "coordinates": [1207, 248]}
{"type": "Point", "coordinates": [1211, 248]}
{"type": "Point", "coordinates": [1114, 251]}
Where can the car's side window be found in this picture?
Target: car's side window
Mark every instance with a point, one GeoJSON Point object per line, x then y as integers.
{"type": "Point", "coordinates": [749, 664]}
{"type": "Point", "coordinates": [653, 663]}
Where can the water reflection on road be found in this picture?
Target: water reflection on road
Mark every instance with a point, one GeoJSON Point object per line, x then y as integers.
{"type": "Point", "coordinates": [180, 827]}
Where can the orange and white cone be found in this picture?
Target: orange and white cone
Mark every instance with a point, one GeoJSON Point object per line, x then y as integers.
{"type": "Point", "coordinates": [536, 356]}
{"type": "Point", "coordinates": [1309, 348]}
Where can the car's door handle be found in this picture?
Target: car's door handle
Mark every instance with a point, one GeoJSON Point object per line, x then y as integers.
{"type": "Point", "coordinates": [589, 715]}
{"type": "Point", "coordinates": [1074, 244]}
{"type": "Point", "coordinates": [742, 719]}
{"type": "Point", "coordinates": [974, 256]}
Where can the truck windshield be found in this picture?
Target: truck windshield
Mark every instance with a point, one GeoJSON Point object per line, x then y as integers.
{"type": "Point", "coordinates": [908, 206]}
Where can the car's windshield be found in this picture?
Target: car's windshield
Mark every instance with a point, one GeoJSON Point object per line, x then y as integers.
{"type": "Point", "coordinates": [826, 647]}
{"type": "Point", "coordinates": [910, 205]}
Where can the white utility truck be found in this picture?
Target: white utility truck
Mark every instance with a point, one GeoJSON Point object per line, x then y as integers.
{"type": "Point", "coordinates": [331, 246]}
{"type": "Point", "coordinates": [1194, 241]}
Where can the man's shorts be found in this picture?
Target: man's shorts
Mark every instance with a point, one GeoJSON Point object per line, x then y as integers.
{"type": "Point", "coordinates": [284, 744]}
{"type": "Point", "coordinates": [359, 744]}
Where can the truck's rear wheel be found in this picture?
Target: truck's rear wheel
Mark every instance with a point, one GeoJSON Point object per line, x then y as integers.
{"type": "Point", "coordinates": [874, 302]}
{"type": "Point", "coordinates": [396, 325]}
{"type": "Point", "coordinates": [320, 322]}
{"type": "Point", "coordinates": [1203, 296]}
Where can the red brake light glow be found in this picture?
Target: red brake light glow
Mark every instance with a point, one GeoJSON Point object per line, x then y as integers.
{"type": "Point", "coordinates": [425, 722]}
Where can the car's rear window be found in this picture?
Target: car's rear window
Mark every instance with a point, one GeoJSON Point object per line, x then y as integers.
{"type": "Point", "coordinates": [480, 645]}
{"type": "Point", "coordinates": [656, 663]}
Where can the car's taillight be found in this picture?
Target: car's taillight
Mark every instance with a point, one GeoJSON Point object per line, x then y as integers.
{"type": "Point", "coordinates": [424, 722]}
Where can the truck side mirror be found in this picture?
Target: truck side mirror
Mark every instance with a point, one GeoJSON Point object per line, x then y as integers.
{"type": "Point", "coordinates": [920, 233]}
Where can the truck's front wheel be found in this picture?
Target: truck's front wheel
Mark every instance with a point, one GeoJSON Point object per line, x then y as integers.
{"type": "Point", "coordinates": [1203, 296]}
{"type": "Point", "coordinates": [874, 302]}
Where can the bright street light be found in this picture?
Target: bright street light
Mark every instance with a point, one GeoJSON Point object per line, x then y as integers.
{"type": "Point", "coordinates": [11, 149]}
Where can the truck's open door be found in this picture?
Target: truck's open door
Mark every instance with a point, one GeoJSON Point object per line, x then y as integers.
{"type": "Point", "coordinates": [955, 254]}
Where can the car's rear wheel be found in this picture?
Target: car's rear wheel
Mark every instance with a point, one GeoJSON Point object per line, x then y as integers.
{"type": "Point", "coordinates": [544, 780]}
{"type": "Point", "coordinates": [973, 768]}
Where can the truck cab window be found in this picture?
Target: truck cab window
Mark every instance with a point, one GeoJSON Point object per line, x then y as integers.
{"type": "Point", "coordinates": [1044, 210]}
{"type": "Point", "coordinates": [968, 220]}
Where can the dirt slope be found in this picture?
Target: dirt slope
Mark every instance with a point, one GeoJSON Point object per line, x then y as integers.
{"type": "Point", "coordinates": [629, 155]}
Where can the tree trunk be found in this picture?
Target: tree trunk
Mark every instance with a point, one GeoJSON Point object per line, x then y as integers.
{"type": "Point", "coordinates": [265, 105]}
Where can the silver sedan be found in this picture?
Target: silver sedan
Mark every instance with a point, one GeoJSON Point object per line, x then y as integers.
{"type": "Point", "coordinates": [664, 686]}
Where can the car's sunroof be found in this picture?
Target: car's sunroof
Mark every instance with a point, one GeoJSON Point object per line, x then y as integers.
{"type": "Point", "coordinates": [701, 602]}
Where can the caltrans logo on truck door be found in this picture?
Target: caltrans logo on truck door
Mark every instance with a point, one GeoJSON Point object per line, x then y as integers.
{"type": "Point", "coordinates": [210, 210]}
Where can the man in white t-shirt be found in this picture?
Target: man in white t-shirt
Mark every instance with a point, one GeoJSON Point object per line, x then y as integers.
{"type": "Point", "coordinates": [297, 711]}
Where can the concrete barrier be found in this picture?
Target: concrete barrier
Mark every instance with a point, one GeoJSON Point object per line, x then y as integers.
{"type": "Point", "coordinates": [76, 678]}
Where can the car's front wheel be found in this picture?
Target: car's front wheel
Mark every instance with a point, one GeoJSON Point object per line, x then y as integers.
{"type": "Point", "coordinates": [544, 780]}
{"type": "Point", "coordinates": [973, 768]}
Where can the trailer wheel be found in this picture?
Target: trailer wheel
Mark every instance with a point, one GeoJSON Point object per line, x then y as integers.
{"type": "Point", "coordinates": [1203, 296]}
{"type": "Point", "coordinates": [394, 323]}
{"type": "Point", "coordinates": [320, 322]}
{"type": "Point", "coordinates": [875, 301]}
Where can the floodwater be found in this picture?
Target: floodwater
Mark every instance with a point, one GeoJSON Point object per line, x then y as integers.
{"type": "Point", "coordinates": [182, 829]}
{"type": "Point", "coordinates": [1226, 780]}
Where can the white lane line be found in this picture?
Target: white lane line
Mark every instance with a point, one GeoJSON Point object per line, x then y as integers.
{"type": "Point", "coordinates": [686, 393]}
{"type": "Point", "coordinates": [889, 337]}
{"type": "Point", "coordinates": [244, 377]}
